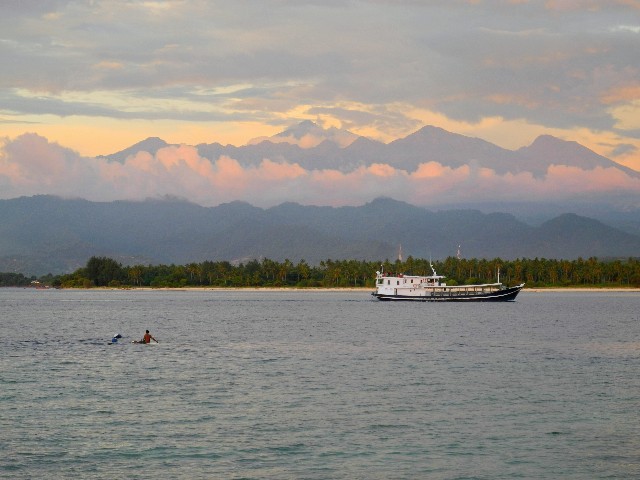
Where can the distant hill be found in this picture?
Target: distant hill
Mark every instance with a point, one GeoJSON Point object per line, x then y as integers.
{"type": "Point", "coordinates": [46, 234]}
{"type": "Point", "coordinates": [150, 145]}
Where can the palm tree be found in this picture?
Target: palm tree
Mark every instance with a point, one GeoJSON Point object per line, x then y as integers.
{"type": "Point", "coordinates": [135, 274]}
{"type": "Point", "coordinates": [303, 270]}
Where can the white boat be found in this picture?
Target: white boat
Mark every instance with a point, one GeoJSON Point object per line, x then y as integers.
{"type": "Point", "coordinates": [432, 288]}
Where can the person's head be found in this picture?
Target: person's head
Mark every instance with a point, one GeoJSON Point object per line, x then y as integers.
{"type": "Point", "coordinates": [147, 331]}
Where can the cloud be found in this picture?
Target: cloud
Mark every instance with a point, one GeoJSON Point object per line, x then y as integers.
{"type": "Point", "coordinates": [557, 63]}
{"type": "Point", "coordinates": [624, 149]}
{"type": "Point", "coordinates": [31, 165]}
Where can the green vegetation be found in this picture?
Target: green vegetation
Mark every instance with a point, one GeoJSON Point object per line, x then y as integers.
{"type": "Point", "coordinates": [14, 280]}
{"type": "Point", "coordinates": [103, 271]}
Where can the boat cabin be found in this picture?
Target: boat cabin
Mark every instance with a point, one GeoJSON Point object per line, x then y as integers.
{"type": "Point", "coordinates": [409, 280]}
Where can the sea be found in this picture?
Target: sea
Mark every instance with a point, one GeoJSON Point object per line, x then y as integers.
{"type": "Point", "coordinates": [251, 384]}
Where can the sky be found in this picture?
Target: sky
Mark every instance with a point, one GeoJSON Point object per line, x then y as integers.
{"type": "Point", "coordinates": [85, 78]}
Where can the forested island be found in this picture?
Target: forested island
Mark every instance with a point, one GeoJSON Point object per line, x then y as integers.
{"type": "Point", "coordinates": [538, 272]}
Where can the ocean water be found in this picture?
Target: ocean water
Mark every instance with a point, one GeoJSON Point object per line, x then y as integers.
{"type": "Point", "coordinates": [318, 385]}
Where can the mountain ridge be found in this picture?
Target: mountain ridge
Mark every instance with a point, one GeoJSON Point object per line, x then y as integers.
{"type": "Point", "coordinates": [342, 150]}
{"type": "Point", "coordinates": [47, 234]}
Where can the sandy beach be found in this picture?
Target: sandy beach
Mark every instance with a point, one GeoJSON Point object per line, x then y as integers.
{"type": "Point", "coordinates": [242, 289]}
{"type": "Point", "coordinates": [356, 289]}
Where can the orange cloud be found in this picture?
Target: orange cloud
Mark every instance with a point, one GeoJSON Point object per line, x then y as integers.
{"type": "Point", "coordinates": [623, 94]}
{"type": "Point", "coordinates": [381, 170]}
{"type": "Point", "coordinates": [434, 170]}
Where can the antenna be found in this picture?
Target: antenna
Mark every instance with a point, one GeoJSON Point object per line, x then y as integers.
{"type": "Point", "coordinates": [431, 265]}
{"type": "Point", "coordinates": [400, 253]}
{"type": "Point", "coordinates": [459, 255]}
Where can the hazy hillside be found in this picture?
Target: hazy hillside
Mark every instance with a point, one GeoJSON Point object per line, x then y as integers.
{"type": "Point", "coordinates": [45, 234]}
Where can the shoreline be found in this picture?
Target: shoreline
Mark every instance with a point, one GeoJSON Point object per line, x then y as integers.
{"type": "Point", "coordinates": [340, 289]}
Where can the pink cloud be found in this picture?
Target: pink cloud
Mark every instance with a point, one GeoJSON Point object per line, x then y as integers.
{"type": "Point", "coordinates": [31, 158]}
{"type": "Point", "coordinates": [575, 180]}
{"type": "Point", "coordinates": [32, 165]}
{"type": "Point", "coordinates": [272, 171]}
{"type": "Point", "coordinates": [382, 170]}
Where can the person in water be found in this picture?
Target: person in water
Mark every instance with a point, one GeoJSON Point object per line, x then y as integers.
{"type": "Point", "coordinates": [148, 337]}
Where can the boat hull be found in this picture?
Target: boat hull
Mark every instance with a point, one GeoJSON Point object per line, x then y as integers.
{"type": "Point", "coordinates": [504, 295]}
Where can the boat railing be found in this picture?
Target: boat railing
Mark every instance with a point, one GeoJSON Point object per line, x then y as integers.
{"type": "Point", "coordinates": [455, 290]}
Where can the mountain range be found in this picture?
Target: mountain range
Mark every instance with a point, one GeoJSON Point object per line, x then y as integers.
{"type": "Point", "coordinates": [48, 234]}
{"type": "Point", "coordinates": [315, 148]}
{"type": "Point", "coordinates": [549, 177]}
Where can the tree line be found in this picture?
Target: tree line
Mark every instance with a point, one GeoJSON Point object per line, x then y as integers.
{"type": "Point", "coordinates": [11, 279]}
{"type": "Point", "coordinates": [538, 272]}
